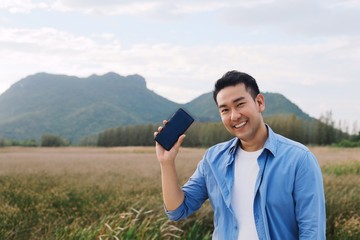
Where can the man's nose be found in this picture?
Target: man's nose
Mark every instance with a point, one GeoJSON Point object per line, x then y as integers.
{"type": "Point", "coordinates": [235, 115]}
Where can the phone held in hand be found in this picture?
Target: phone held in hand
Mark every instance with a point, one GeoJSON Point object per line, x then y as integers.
{"type": "Point", "coordinates": [175, 127]}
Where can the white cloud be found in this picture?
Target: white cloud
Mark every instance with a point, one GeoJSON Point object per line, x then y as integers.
{"type": "Point", "coordinates": [306, 17]}
{"type": "Point", "coordinates": [60, 51]}
{"type": "Point", "coordinates": [22, 6]}
{"type": "Point", "coordinates": [114, 6]}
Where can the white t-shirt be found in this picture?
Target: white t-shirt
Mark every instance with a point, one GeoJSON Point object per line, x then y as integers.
{"type": "Point", "coordinates": [242, 200]}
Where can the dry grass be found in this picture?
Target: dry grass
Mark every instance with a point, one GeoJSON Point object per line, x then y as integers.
{"type": "Point", "coordinates": [140, 161]}
{"type": "Point", "coordinates": [333, 155]}
{"type": "Point", "coordinates": [79, 160]}
{"type": "Point", "coordinates": [75, 192]}
{"type": "Point", "coordinates": [78, 192]}
{"type": "Point", "coordinates": [130, 163]}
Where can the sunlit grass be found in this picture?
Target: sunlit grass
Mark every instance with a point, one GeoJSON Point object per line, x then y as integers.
{"type": "Point", "coordinates": [342, 192]}
{"type": "Point", "coordinates": [116, 194]}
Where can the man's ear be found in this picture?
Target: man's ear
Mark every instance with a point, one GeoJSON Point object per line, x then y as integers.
{"type": "Point", "coordinates": [260, 102]}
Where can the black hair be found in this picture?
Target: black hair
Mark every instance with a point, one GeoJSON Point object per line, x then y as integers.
{"type": "Point", "coordinates": [233, 78]}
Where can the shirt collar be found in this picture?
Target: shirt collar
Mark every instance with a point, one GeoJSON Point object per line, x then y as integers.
{"type": "Point", "coordinates": [270, 143]}
{"type": "Point", "coordinates": [234, 144]}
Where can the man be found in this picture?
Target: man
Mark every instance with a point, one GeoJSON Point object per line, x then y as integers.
{"type": "Point", "coordinates": [261, 185]}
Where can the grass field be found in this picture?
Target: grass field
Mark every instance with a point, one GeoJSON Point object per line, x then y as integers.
{"type": "Point", "coordinates": [115, 193]}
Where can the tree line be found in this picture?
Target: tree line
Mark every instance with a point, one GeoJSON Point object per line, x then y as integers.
{"type": "Point", "coordinates": [308, 132]}
{"type": "Point", "coordinates": [47, 140]}
{"type": "Point", "coordinates": [200, 134]}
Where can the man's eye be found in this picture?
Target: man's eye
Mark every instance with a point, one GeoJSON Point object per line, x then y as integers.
{"type": "Point", "coordinates": [240, 104]}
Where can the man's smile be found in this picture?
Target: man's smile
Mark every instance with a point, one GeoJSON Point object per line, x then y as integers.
{"type": "Point", "coordinates": [240, 124]}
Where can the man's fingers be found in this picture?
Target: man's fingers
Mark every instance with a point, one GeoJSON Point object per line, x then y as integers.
{"type": "Point", "coordinates": [180, 140]}
{"type": "Point", "coordinates": [160, 128]}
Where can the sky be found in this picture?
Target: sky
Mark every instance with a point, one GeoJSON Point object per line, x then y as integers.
{"type": "Point", "coordinates": [307, 50]}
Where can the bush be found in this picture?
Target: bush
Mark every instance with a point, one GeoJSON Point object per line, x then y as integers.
{"type": "Point", "coordinates": [348, 144]}
{"type": "Point", "coordinates": [29, 143]}
{"type": "Point", "coordinates": [48, 140]}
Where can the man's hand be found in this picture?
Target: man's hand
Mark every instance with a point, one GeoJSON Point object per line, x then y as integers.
{"type": "Point", "coordinates": [167, 157]}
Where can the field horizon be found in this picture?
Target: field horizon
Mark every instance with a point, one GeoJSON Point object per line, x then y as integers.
{"type": "Point", "coordinates": [36, 159]}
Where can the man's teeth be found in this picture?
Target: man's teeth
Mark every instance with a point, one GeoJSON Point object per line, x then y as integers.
{"type": "Point", "coordinates": [240, 125]}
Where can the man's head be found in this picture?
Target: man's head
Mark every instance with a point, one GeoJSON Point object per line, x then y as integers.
{"type": "Point", "coordinates": [233, 78]}
{"type": "Point", "coordinates": [240, 106]}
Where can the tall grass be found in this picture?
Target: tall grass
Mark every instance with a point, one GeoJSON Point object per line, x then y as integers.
{"type": "Point", "coordinates": [342, 190]}
{"type": "Point", "coordinates": [70, 207]}
{"type": "Point", "coordinates": [118, 196]}
{"type": "Point", "coordinates": [88, 193]}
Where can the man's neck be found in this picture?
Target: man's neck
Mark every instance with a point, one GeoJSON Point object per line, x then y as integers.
{"type": "Point", "coordinates": [258, 142]}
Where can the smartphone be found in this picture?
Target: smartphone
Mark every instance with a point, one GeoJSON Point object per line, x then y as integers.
{"type": "Point", "coordinates": [175, 127]}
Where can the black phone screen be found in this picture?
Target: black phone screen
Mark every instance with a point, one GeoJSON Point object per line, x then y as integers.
{"type": "Point", "coordinates": [176, 126]}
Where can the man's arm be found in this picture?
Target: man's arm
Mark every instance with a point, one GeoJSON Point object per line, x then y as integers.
{"type": "Point", "coordinates": [310, 200]}
{"type": "Point", "coordinates": [173, 196]}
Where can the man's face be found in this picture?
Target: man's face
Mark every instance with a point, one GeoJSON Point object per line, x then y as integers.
{"type": "Point", "coordinates": [240, 113]}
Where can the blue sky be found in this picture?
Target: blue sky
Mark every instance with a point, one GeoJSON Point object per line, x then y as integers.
{"type": "Point", "coordinates": [307, 50]}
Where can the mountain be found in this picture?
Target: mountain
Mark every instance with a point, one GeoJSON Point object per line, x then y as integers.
{"type": "Point", "coordinates": [75, 107]}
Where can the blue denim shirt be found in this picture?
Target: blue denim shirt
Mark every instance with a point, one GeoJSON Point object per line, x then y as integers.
{"type": "Point", "coordinates": [289, 197]}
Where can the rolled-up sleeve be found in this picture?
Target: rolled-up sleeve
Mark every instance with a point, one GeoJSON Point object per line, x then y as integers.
{"type": "Point", "coordinates": [195, 194]}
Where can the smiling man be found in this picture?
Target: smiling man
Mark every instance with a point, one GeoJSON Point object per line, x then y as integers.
{"type": "Point", "coordinates": [261, 185]}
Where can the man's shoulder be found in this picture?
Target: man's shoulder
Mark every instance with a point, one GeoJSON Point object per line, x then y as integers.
{"type": "Point", "coordinates": [288, 151]}
{"type": "Point", "coordinates": [277, 143]}
{"type": "Point", "coordinates": [285, 142]}
{"type": "Point", "coordinates": [288, 147]}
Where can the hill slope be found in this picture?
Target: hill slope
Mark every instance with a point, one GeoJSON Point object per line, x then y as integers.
{"type": "Point", "coordinates": [75, 107]}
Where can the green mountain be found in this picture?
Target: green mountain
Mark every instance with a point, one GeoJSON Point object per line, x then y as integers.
{"type": "Point", "coordinates": [75, 107]}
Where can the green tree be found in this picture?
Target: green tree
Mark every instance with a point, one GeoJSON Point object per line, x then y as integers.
{"type": "Point", "coordinates": [2, 142]}
{"type": "Point", "coordinates": [326, 129]}
{"type": "Point", "coordinates": [49, 140]}
{"type": "Point", "coordinates": [29, 143]}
